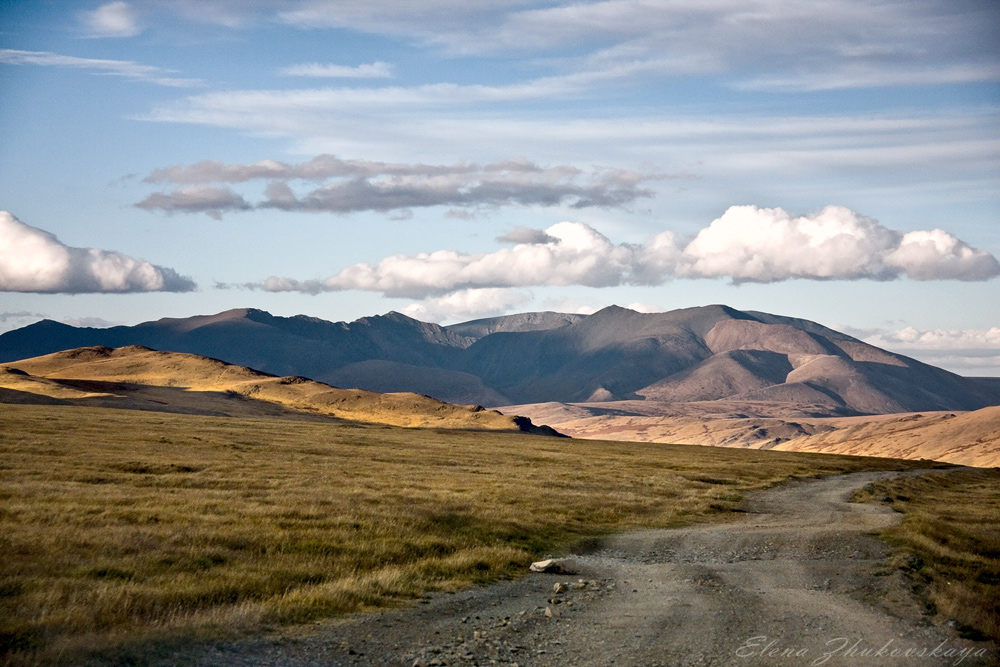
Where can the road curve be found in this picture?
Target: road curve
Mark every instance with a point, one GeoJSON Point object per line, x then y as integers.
{"type": "Point", "coordinates": [797, 580]}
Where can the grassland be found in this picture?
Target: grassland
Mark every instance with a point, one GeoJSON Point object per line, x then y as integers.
{"type": "Point", "coordinates": [124, 530]}
{"type": "Point", "coordinates": [949, 543]}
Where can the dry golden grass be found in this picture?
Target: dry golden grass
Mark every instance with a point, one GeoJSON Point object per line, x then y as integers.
{"type": "Point", "coordinates": [120, 529]}
{"type": "Point", "coordinates": [138, 378]}
{"type": "Point", "coordinates": [949, 543]}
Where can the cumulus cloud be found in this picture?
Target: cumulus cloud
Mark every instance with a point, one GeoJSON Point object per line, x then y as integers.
{"type": "Point", "coordinates": [349, 186]}
{"type": "Point", "coordinates": [115, 19]}
{"type": "Point", "coordinates": [467, 304]}
{"type": "Point", "coordinates": [124, 68]}
{"type": "Point", "coordinates": [33, 260]}
{"type": "Point", "coordinates": [750, 244]}
{"type": "Point", "coordinates": [745, 244]}
{"type": "Point", "coordinates": [376, 70]}
{"type": "Point", "coordinates": [937, 255]}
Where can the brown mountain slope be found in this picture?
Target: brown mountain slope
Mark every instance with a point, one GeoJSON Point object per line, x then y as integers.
{"type": "Point", "coordinates": [703, 354]}
{"type": "Point", "coordinates": [971, 438]}
{"type": "Point", "coordinates": [964, 438]}
{"type": "Point", "coordinates": [135, 377]}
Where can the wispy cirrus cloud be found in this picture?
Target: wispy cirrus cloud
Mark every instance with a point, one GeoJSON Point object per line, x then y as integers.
{"type": "Point", "coordinates": [952, 150]}
{"type": "Point", "coordinates": [123, 68]}
{"type": "Point", "coordinates": [33, 260]}
{"type": "Point", "coordinates": [376, 70]}
{"type": "Point", "coordinates": [758, 43]}
{"type": "Point", "coordinates": [350, 186]}
{"type": "Point", "coordinates": [745, 244]}
{"type": "Point", "coordinates": [754, 44]}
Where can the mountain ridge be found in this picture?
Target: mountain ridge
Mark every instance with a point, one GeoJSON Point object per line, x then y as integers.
{"type": "Point", "coordinates": [615, 356]}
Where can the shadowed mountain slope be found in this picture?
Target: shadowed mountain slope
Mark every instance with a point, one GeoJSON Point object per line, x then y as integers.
{"type": "Point", "coordinates": [743, 361]}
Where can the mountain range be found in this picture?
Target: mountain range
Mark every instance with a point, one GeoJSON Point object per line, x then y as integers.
{"type": "Point", "coordinates": [708, 361]}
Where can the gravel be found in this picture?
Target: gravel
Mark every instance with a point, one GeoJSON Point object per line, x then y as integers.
{"type": "Point", "coordinates": [795, 581]}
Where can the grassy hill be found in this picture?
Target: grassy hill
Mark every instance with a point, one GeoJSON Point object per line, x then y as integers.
{"type": "Point", "coordinates": [138, 378]}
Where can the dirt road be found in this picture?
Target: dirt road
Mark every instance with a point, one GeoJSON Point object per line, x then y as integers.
{"type": "Point", "coordinates": [796, 581]}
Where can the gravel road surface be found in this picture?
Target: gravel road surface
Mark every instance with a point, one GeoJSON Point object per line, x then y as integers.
{"type": "Point", "coordinates": [796, 580]}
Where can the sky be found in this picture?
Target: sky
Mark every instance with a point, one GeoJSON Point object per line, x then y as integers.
{"type": "Point", "coordinates": [836, 160]}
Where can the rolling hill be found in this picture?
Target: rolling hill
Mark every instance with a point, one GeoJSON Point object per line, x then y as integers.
{"type": "Point", "coordinates": [138, 378]}
{"type": "Point", "coordinates": [963, 438]}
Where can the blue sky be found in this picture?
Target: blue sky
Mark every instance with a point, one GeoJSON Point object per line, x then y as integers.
{"type": "Point", "coordinates": [835, 160]}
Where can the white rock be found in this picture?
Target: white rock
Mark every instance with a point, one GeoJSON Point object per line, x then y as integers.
{"type": "Point", "coordinates": [554, 566]}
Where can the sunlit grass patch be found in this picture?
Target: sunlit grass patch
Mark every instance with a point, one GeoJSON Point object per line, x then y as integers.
{"type": "Point", "coordinates": [949, 543]}
{"type": "Point", "coordinates": [124, 527]}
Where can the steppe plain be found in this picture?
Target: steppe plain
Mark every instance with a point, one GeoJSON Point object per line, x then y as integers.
{"type": "Point", "coordinates": [228, 517]}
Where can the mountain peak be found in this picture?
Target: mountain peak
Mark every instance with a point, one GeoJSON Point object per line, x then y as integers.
{"type": "Point", "coordinates": [615, 309]}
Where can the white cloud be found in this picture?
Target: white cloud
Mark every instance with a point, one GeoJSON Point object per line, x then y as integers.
{"type": "Point", "coordinates": [970, 365]}
{"type": "Point", "coordinates": [640, 307]}
{"type": "Point", "coordinates": [962, 351]}
{"type": "Point", "coordinates": [467, 305]}
{"type": "Point", "coordinates": [91, 322]}
{"type": "Point", "coordinates": [911, 338]}
{"type": "Point", "coordinates": [33, 260]}
{"type": "Point", "coordinates": [10, 320]}
{"type": "Point", "coordinates": [579, 255]}
{"type": "Point", "coordinates": [937, 255]}
{"type": "Point", "coordinates": [115, 19]}
{"type": "Point", "coordinates": [750, 244]}
{"type": "Point", "coordinates": [746, 244]}
{"type": "Point", "coordinates": [124, 68]}
{"type": "Point", "coordinates": [260, 109]}
{"type": "Point", "coordinates": [376, 70]}
{"type": "Point", "coordinates": [359, 185]}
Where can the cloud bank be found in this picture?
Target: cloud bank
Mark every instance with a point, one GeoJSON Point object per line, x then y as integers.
{"type": "Point", "coordinates": [33, 260]}
{"type": "Point", "coordinates": [350, 186]}
{"type": "Point", "coordinates": [745, 244]}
